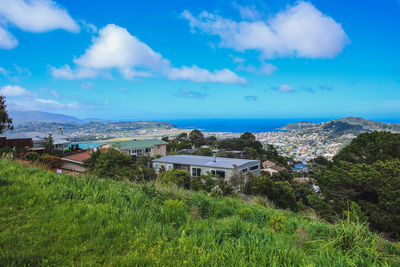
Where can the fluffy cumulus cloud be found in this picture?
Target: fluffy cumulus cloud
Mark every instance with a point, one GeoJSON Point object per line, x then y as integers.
{"type": "Point", "coordinates": [300, 30]}
{"type": "Point", "coordinates": [37, 15]}
{"type": "Point", "coordinates": [13, 90]}
{"type": "Point", "coordinates": [116, 48]}
{"type": "Point", "coordinates": [7, 40]}
{"type": "Point", "coordinates": [33, 16]}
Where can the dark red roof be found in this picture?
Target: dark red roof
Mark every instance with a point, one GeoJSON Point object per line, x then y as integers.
{"type": "Point", "coordinates": [80, 157]}
{"type": "Point", "coordinates": [268, 163]}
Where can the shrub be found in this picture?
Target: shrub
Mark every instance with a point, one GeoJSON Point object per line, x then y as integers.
{"type": "Point", "coordinates": [51, 161]}
{"type": "Point", "coordinates": [179, 177]}
{"type": "Point", "coordinates": [216, 192]}
{"type": "Point", "coordinates": [32, 156]}
{"type": "Point", "coordinates": [5, 150]}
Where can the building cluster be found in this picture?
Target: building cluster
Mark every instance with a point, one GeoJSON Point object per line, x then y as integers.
{"type": "Point", "coordinates": [301, 146]}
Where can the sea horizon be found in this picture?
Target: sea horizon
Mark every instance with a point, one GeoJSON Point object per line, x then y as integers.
{"type": "Point", "coordinates": [248, 124]}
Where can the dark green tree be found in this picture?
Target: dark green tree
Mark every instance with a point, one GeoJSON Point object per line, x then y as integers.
{"type": "Point", "coordinates": [366, 172]}
{"type": "Point", "coordinates": [49, 145]}
{"type": "Point", "coordinates": [196, 137]}
{"type": "Point", "coordinates": [5, 120]}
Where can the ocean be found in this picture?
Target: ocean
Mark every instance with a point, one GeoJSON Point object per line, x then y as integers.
{"type": "Point", "coordinates": [238, 125]}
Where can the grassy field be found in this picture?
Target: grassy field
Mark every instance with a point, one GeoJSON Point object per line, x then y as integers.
{"type": "Point", "coordinates": [49, 219]}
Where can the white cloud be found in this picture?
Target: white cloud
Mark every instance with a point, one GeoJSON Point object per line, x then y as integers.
{"type": "Point", "coordinates": [7, 40]}
{"type": "Point", "coordinates": [267, 69]}
{"type": "Point", "coordinates": [300, 30]}
{"type": "Point", "coordinates": [23, 99]}
{"type": "Point", "coordinates": [248, 12]}
{"type": "Point", "coordinates": [65, 72]}
{"type": "Point", "coordinates": [37, 15]}
{"type": "Point", "coordinates": [116, 48]}
{"type": "Point", "coordinates": [13, 90]}
{"type": "Point", "coordinates": [197, 74]}
{"type": "Point", "coordinates": [284, 88]}
{"type": "Point", "coordinates": [17, 74]}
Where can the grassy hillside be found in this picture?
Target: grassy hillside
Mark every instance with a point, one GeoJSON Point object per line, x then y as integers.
{"type": "Point", "coordinates": [49, 219]}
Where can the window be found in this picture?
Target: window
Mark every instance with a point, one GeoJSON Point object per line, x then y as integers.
{"type": "Point", "coordinates": [219, 173]}
{"type": "Point", "coordinates": [156, 166]}
{"type": "Point", "coordinates": [158, 146]}
{"type": "Point", "coordinates": [196, 171]}
{"type": "Point", "coordinates": [148, 150]}
{"type": "Point", "coordinates": [254, 168]}
{"type": "Point", "coordinates": [244, 170]}
{"type": "Point", "coordinates": [169, 167]}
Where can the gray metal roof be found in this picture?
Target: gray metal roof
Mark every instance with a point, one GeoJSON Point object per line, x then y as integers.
{"type": "Point", "coordinates": [225, 163]}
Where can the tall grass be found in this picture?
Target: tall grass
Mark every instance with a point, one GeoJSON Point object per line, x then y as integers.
{"type": "Point", "coordinates": [49, 219]}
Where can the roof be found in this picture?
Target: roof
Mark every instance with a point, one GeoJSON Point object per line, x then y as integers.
{"type": "Point", "coordinates": [38, 136]}
{"type": "Point", "coordinates": [135, 144]}
{"type": "Point", "coordinates": [268, 163]}
{"type": "Point", "coordinates": [226, 163]}
{"type": "Point", "coordinates": [276, 168]}
{"type": "Point", "coordinates": [79, 158]}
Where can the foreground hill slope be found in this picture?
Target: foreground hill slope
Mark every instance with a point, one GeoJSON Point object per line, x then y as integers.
{"type": "Point", "coordinates": [49, 219]}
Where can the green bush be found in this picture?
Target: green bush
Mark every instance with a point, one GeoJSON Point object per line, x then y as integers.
{"type": "Point", "coordinates": [51, 161]}
{"type": "Point", "coordinates": [32, 156]}
{"type": "Point", "coordinates": [216, 192]}
{"type": "Point", "coordinates": [178, 177]}
{"type": "Point", "coordinates": [281, 192]}
{"type": "Point", "coordinates": [5, 150]}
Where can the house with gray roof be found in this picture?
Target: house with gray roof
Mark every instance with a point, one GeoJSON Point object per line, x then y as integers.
{"type": "Point", "coordinates": [150, 147]}
{"type": "Point", "coordinates": [38, 139]}
{"type": "Point", "coordinates": [198, 165]}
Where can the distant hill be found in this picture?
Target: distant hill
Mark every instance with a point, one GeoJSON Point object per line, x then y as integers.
{"type": "Point", "coordinates": [339, 127]}
{"type": "Point", "coordinates": [369, 125]}
{"type": "Point", "coordinates": [22, 117]}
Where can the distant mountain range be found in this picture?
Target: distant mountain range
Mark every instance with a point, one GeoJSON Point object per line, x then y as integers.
{"type": "Point", "coordinates": [340, 127]}
{"type": "Point", "coordinates": [23, 117]}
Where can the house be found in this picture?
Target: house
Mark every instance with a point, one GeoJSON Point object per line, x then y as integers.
{"type": "Point", "coordinates": [149, 147]}
{"type": "Point", "coordinates": [75, 162]}
{"type": "Point", "coordinates": [36, 140]}
{"type": "Point", "coordinates": [198, 165]}
{"type": "Point", "coordinates": [267, 164]}
{"type": "Point", "coordinates": [273, 169]}
{"type": "Point", "coordinates": [300, 168]}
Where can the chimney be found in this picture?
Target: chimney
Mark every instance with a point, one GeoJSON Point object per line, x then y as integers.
{"type": "Point", "coordinates": [214, 158]}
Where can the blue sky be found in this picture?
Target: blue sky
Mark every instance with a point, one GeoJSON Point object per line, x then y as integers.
{"type": "Point", "coordinates": [205, 59]}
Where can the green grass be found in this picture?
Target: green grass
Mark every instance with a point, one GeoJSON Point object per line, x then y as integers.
{"type": "Point", "coordinates": [49, 219]}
